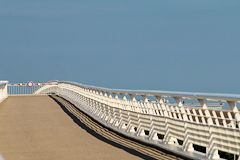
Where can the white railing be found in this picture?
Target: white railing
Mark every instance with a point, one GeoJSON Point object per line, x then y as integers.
{"type": "Point", "coordinates": [3, 90]}
{"type": "Point", "coordinates": [23, 88]}
{"type": "Point", "coordinates": [180, 122]}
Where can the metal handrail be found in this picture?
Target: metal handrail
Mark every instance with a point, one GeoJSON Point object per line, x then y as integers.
{"type": "Point", "coordinates": [158, 93]}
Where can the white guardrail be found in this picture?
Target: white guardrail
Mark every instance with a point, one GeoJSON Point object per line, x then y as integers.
{"type": "Point", "coordinates": [3, 90]}
{"type": "Point", "coordinates": [180, 122]}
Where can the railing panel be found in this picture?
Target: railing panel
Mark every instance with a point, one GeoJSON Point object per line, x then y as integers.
{"type": "Point", "coordinates": [172, 126]}
{"type": "Point", "coordinates": [24, 88]}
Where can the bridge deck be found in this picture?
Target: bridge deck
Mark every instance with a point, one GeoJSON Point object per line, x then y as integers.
{"type": "Point", "coordinates": [35, 127]}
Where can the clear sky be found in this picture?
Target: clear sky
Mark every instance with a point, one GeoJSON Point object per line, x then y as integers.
{"type": "Point", "coordinates": [183, 45]}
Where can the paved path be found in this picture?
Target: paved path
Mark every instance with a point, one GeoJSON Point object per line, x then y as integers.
{"type": "Point", "coordinates": [36, 128]}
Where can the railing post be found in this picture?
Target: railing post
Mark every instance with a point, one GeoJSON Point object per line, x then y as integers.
{"type": "Point", "coordinates": [233, 106]}
{"type": "Point", "coordinates": [3, 90]}
{"type": "Point", "coordinates": [178, 101]}
{"type": "Point", "coordinates": [214, 155]}
{"type": "Point", "coordinates": [203, 103]}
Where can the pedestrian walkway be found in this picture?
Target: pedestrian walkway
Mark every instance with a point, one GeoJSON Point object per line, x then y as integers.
{"type": "Point", "coordinates": [36, 128]}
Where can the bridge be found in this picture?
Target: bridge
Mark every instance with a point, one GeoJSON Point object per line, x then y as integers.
{"type": "Point", "coordinates": [68, 120]}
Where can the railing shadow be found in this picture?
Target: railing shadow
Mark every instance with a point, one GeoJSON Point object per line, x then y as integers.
{"type": "Point", "coordinates": [98, 136]}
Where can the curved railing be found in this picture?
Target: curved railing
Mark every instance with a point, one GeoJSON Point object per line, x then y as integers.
{"type": "Point", "coordinates": [3, 90]}
{"type": "Point", "coordinates": [194, 125]}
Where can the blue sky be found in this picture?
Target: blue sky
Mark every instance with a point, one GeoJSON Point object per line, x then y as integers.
{"type": "Point", "coordinates": [183, 45]}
